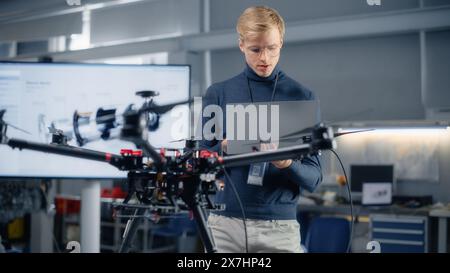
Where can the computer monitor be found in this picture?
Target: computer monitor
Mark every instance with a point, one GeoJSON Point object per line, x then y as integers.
{"type": "Point", "coordinates": [360, 174]}
{"type": "Point", "coordinates": [376, 193]}
{"type": "Point", "coordinates": [36, 95]}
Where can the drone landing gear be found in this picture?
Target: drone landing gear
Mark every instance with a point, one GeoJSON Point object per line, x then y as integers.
{"type": "Point", "coordinates": [199, 216]}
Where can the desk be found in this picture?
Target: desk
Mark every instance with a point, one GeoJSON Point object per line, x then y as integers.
{"type": "Point", "coordinates": [359, 210]}
{"type": "Point", "coordinates": [443, 215]}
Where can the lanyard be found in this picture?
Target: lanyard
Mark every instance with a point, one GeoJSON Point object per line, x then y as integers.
{"type": "Point", "coordinates": [273, 91]}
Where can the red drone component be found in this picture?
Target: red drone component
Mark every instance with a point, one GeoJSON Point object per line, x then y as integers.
{"type": "Point", "coordinates": [129, 152]}
{"type": "Point", "coordinates": [162, 152]}
{"type": "Point", "coordinates": [126, 151]}
{"type": "Point", "coordinates": [108, 157]}
{"type": "Point", "coordinates": [206, 154]}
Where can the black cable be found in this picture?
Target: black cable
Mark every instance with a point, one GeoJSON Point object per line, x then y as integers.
{"type": "Point", "coordinates": [351, 201]}
{"type": "Point", "coordinates": [274, 87]}
{"type": "Point", "coordinates": [55, 242]}
{"type": "Point", "coordinates": [244, 219]}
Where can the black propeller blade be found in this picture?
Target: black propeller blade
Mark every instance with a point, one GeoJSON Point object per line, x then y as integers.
{"type": "Point", "coordinates": [161, 109]}
{"type": "Point", "coordinates": [292, 138]}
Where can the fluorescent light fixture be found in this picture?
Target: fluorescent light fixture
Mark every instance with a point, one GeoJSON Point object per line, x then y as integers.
{"type": "Point", "coordinates": [393, 125]}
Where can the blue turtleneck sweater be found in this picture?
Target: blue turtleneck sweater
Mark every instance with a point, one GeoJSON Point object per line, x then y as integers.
{"type": "Point", "coordinates": [277, 198]}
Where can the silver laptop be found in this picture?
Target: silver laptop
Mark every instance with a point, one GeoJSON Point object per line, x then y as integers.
{"type": "Point", "coordinates": [295, 120]}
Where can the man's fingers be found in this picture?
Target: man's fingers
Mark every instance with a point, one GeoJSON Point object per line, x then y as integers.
{"type": "Point", "coordinates": [274, 145]}
{"type": "Point", "coordinates": [269, 146]}
{"type": "Point", "coordinates": [224, 145]}
{"type": "Point", "coordinates": [264, 147]}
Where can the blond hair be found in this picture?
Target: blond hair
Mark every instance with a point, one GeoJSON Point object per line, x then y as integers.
{"type": "Point", "coordinates": [259, 19]}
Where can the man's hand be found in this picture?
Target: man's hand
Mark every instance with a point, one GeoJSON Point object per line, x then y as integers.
{"type": "Point", "coordinates": [280, 164]}
{"type": "Point", "coordinates": [224, 146]}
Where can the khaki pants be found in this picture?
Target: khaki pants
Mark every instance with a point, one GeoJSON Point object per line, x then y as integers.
{"type": "Point", "coordinates": [263, 236]}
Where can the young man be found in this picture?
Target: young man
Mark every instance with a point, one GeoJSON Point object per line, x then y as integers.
{"type": "Point", "coordinates": [271, 204]}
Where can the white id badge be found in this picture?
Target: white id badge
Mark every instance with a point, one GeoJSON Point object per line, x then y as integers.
{"type": "Point", "coordinates": [256, 174]}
